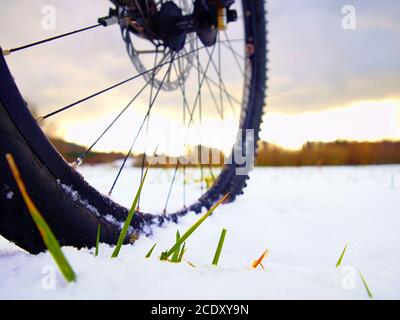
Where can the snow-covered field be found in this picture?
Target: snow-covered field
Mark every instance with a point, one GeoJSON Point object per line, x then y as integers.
{"type": "Point", "coordinates": [305, 216]}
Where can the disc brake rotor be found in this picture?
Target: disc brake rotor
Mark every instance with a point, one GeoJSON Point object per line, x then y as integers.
{"type": "Point", "coordinates": [129, 28]}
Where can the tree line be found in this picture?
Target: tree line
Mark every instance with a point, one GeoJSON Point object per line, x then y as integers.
{"type": "Point", "coordinates": [330, 153]}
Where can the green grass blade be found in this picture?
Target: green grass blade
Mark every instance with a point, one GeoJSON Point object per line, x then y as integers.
{"type": "Point", "coordinates": [128, 220]}
{"type": "Point", "coordinates": [339, 262]}
{"type": "Point", "coordinates": [148, 255]}
{"type": "Point", "coordinates": [47, 235]}
{"type": "Point", "coordinates": [219, 247]}
{"type": "Point", "coordinates": [165, 255]}
{"type": "Point", "coordinates": [183, 250]}
{"type": "Point", "coordinates": [175, 255]}
{"type": "Point", "coordinates": [97, 242]}
{"type": "Point", "coordinates": [365, 284]}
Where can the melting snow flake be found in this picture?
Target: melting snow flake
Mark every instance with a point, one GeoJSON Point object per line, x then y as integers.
{"type": "Point", "coordinates": [77, 198]}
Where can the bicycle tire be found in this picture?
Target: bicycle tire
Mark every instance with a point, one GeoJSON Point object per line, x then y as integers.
{"type": "Point", "coordinates": [72, 207]}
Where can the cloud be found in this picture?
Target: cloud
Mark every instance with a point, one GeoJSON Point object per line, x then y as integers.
{"type": "Point", "coordinates": [316, 65]}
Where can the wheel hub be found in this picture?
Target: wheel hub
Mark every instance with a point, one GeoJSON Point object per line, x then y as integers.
{"type": "Point", "coordinates": [167, 25]}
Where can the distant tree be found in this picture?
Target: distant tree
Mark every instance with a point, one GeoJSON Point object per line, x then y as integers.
{"type": "Point", "coordinates": [333, 153]}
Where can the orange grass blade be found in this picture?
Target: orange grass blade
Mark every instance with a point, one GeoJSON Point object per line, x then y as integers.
{"type": "Point", "coordinates": [259, 261]}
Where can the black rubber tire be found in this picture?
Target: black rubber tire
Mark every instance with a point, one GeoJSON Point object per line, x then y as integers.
{"type": "Point", "coordinates": [73, 208]}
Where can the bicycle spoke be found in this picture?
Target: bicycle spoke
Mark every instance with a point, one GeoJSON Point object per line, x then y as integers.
{"type": "Point", "coordinates": [184, 186]}
{"type": "Point", "coordinates": [83, 155]}
{"type": "Point", "coordinates": [102, 22]}
{"type": "Point", "coordinates": [219, 75]}
{"type": "Point", "coordinates": [213, 82]}
{"type": "Point", "coordinates": [214, 99]}
{"type": "Point", "coordinates": [140, 10]}
{"type": "Point", "coordinates": [140, 129]}
{"type": "Point", "coordinates": [152, 87]}
{"type": "Point", "coordinates": [9, 51]}
{"type": "Point", "coordinates": [212, 96]}
{"type": "Point", "coordinates": [178, 72]}
{"type": "Point", "coordinates": [237, 54]}
{"type": "Point", "coordinates": [211, 173]}
{"type": "Point", "coordinates": [207, 80]}
{"type": "Point", "coordinates": [185, 104]}
{"type": "Point", "coordinates": [148, 122]}
{"type": "Point", "coordinates": [200, 114]}
{"type": "Point", "coordinates": [201, 82]}
{"type": "Point", "coordinates": [170, 187]}
{"type": "Point", "coordinates": [106, 89]}
{"type": "Point", "coordinates": [234, 53]}
{"type": "Point", "coordinates": [229, 96]}
{"type": "Point", "coordinates": [147, 51]}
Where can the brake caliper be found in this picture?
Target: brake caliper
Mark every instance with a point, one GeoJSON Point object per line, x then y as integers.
{"type": "Point", "coordinates": [211, 16]}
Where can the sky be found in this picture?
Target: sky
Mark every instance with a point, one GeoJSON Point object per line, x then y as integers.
{"type": "Point", "coordinates": [325, 82]}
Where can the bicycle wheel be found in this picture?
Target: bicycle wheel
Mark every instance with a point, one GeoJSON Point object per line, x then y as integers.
{"type": "Point", "coordinates": [187, 63]}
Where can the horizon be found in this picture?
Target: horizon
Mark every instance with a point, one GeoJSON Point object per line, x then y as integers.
{"type": "Point", "coordinates": [261, 141]}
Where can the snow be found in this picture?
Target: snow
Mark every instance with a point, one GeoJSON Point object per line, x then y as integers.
{"type": "Point", "coordinates": [76, 197]}
{"type": "Point", "coordinates": [305, 216]}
